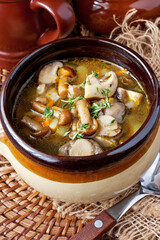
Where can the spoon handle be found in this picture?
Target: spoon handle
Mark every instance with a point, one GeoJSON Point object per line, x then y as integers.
{"type": "Point", "coordinates": [95, 228]}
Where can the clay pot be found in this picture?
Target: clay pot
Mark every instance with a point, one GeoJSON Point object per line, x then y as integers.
{"type": "Point", "coordinates": [25, 25]}
{"type": "Point", "coordinates": [88, 178]}
{"type": "Point", "coordinates": [97, 15]}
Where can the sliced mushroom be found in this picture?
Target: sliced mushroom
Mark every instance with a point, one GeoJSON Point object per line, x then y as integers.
{"type": "Point", "coordinates": [75, 91]}
{"type": "Point", "coordinates": [85, 118]}
{"type": "Point", "coordinates": [64, 149]}
{"type": "Point", "coordinates": [117, 110]}
{"type": "Point", "coordinates": [109, 81]}
{"type": "Point", "coordinates": [106, 142]}
{"type": "Point", "coordinates": [80, 147]}
{"type": "Point", "coordinates": [31, 123]}
{"type": "Point", "coordinates": [130, 98]}
{"type": "Point", "coordinates": [97, 147]}
{"type": "Point", "coordinates": [41, 99]}
{"type": "Point", "coordinates": [44, 132]}
{"type": "Point", "coordinates": [33, 114]}
{"type": "Point", "coordinates": [41, 89]}
{"type": "Point", "coordinates": [95, 88]}
{"type": "Point", "coordinates": [108, 126]}
{"type": "Point", "coordinates": [48, 73]}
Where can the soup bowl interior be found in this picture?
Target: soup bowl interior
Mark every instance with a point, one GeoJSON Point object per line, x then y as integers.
{"type": "Point", "coordinates": [80, 47]}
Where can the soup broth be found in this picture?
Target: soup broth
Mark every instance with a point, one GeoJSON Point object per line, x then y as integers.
{"type": "Point", "coordinates": [80, 107]}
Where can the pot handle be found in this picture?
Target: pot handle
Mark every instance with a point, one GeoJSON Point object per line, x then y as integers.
{"type": "Point", "coordinates": [63, 15]}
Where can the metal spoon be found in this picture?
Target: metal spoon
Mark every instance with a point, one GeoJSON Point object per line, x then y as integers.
{"type": "Point", "coordinates": [149, 185]}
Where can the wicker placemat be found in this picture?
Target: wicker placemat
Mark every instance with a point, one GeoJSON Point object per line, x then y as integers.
{"type": "Point", "coordinates": [27, 214]}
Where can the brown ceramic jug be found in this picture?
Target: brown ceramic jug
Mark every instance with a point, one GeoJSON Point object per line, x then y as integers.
{"type": "Point", "coordinates": [97, 15]}
{"type": "Point", "coordinates": [25, 25]}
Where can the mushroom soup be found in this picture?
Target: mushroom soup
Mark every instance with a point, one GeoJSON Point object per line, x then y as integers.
{"type": "Point", "coordinates": [80, 107]}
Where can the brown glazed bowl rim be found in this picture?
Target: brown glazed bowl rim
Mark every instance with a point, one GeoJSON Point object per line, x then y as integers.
{"type": "Point", "coordinates": [86, 163]}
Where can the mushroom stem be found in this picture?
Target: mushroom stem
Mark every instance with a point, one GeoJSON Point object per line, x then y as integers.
{"type": "Point", "coordinates": [31, 123]}
{"type": "Point", "coordinates": [83, 112]}
{"type": "Point", "coordinates": [85, 118]}
{"type": "Point", "coordinates": [63, 86]}
{"type": "Point", "coordinates": [64, 74]}
{"type": "Point", "coordinates": [39, 107]}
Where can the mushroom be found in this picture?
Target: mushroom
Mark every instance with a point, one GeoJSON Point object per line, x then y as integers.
{"type": "Point", "coordinates": [105, 142]}
{"type": "Point", "coordinates": [41, 88]}
{"type": "Point", "coordinates": [109, 81]}
{"type": "Point", "coordinates": [44, 132]}
{"type": "Point", "coordinates": [39, 107]}
{"type": "Point", "coordinates": [117, 111]}
{"type": "Point", "coordinates": [64, 74]}
{"type": "Point", "coordinates": [80, 147]}
{"type": "Point", "coordinates": [31, 123]}
{"type": "Point", "coordinates": [83, 111]}
{"type": "Point", "coordinates": [108, 126]}
{"type": "Point", "coordinates": [41, 99]}
{"type": "Point", "coordinates": [74, 111]}
{"type": "Point", "coordinates": [67, 72]}
{"type": "Point", "coordinates": [130, 98]}
{"type": "Point", "coordinates": [95, 88]}
{"type": "Point", "coordinates": [65, 117]}
{"type": "Point", "coordinates": [85, 118]}
{"type": "Point", "coordinates": [63, 87]}
{"type": "Point", "coordinates": [48, 74]}
{"type": "Point", "coordinates": [75, 91]}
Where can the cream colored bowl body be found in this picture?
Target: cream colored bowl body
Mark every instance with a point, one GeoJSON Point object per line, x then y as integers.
{"type": "Point", "coordinates": [86, 192]}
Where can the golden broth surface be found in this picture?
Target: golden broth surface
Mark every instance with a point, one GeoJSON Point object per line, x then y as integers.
{"type": "Point", "coordinates": [132, 121]}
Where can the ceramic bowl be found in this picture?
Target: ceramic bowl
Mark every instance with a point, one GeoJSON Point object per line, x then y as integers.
{"type": "Point", "coordinates": [90, 178]}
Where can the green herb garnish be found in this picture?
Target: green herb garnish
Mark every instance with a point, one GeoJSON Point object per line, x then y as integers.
{"type": "Point", "coordinates": [111, 122]}
{"type": "Point", "coordinates": [49, 113]}
{"type": "Point", "coordinates": [84, 126]}
{"type": "Point", "coordinates": [71, 101]}
{"type": "Point", "coordinates": [95, 74]}
{"type": "Point", "coordinates": [77, 135]}
{"type": "Point", "coordinates": [68, 102]}
{"type": "Point", "coordinates": [66, 133]}
{"type": "Point", "coordinates": [79, 98]}
{"type": "Point", "coordinates": [96, 108]}
{"type": "Point", "coordinates": [82, 85]}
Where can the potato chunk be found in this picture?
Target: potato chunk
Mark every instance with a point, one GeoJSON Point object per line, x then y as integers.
{"type": "Point", "coordinates": [52, 94]}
